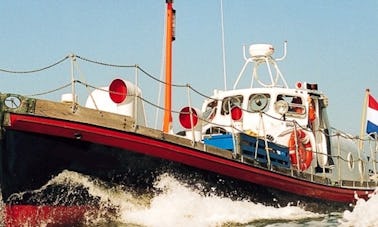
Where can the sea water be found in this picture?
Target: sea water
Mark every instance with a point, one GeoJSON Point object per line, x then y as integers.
{"type": "Point", "coordinates": [177, 204]}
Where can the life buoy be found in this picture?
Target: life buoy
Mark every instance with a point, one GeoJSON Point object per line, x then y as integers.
{"type": "Point", "coordinates": [302, 140]}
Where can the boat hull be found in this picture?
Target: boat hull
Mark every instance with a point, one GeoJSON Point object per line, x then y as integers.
{"type": "Point", "coordinates": [34, 149]}
{"type": "Point", "coordinates": [54, 145]}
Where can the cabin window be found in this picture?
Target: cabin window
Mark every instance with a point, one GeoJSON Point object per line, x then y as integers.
{"type": "Point", "coordinates": [295, 103]}
{"type": "Point", "coordinates": [258, 102]}
{"type": "Point", "coordinates": [230, 102]}
{"type": "Point", "coordinates": [210, 110]}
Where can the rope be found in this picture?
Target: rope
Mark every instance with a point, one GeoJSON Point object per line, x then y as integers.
{"type": "Point", "coordinates": [51, 91]}
{"type": "Point", "coordinates": [34, 70]}
{"type": "Point", "coordinates": [104, 64]}
{"type": "Point", "coordinates": [201, 94]}
{"type": "Point", "coordinates": [130, 66]}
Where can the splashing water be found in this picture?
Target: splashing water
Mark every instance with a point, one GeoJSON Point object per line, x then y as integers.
{"type": "Point", "coordinates": [178, 205]}
{"type": "Point", "coordinates": [363, 214]}
{"type": "Point", "coordinates": [173, 203]}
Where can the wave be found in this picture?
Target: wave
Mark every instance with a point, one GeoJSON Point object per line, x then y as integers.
{"type": "Point", "coordinates": [363, 214]}
{"type": "Point", "coordinates": [179, 205]}
{"type": "Point", "coordinates": [172, 202]}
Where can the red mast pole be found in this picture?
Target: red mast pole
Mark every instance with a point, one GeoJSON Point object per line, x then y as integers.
{"type": "Point", "coordinates": [167, 124]}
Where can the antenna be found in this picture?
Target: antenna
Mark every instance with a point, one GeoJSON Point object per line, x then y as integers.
{"type": "Point", "coordinates": [223, 49]}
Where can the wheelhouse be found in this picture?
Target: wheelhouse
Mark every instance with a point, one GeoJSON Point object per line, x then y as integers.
{"type": "Point", "coordinates": [264, 111]}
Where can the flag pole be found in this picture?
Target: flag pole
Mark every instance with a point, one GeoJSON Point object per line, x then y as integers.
{"type": "Point", "coordinates": [363, 119]}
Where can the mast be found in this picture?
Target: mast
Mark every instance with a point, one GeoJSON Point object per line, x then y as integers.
{"type": "Point", "coordinates": [170, 15]}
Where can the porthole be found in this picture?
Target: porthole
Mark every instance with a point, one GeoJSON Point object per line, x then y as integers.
{"type": "Point", "coordinates": [258, 102]}
{"type": "Point", "coordinates": [230, 102]}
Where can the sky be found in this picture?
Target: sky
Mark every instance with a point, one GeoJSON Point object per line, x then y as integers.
{"type": "Point", "coordinates": [332, 43]}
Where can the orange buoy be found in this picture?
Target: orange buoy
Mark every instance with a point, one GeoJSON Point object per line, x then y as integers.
{"type": "Point", "coordinates": [300, 142]}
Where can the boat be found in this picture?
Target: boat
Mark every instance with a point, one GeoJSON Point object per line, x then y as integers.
{"type": "Point", "coordinates": [267, 139]}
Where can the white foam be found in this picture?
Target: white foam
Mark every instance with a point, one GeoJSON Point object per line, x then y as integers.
{"type": "Point", "coordinates": [363, 214]}
{"type": "Point", "coordinates": [176, 205]}
{"type": "Point", "coordinates": [181, 206]}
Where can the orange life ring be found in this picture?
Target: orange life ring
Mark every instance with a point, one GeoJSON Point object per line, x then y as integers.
{"type": "Point", "coordinates": [304, 149]}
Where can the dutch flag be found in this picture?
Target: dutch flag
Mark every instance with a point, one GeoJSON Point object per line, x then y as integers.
{"type": "Point", "coordinates": [372, 115]}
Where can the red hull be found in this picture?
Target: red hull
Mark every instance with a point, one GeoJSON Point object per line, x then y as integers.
{"type": "Point", "coordinates": [28, 215]}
